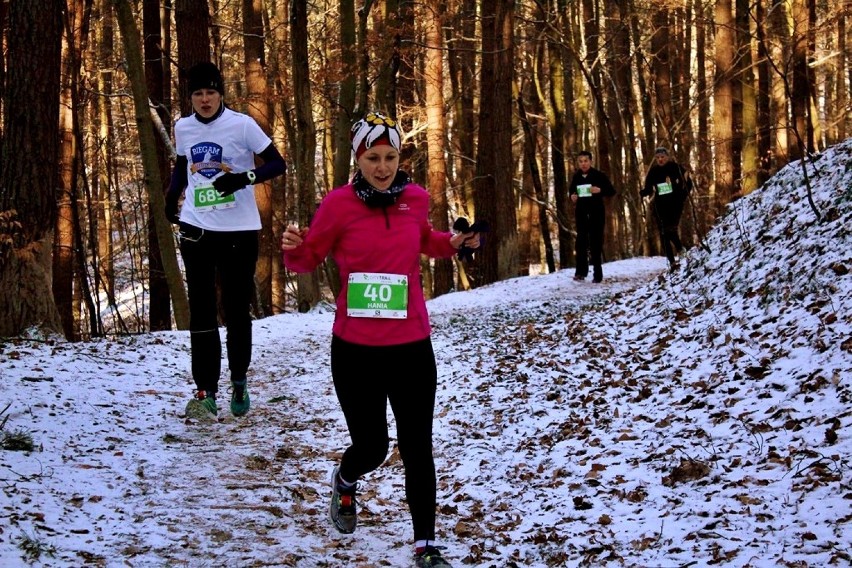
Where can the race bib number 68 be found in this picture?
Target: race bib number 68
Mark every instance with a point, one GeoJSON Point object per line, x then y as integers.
{"type": "Point", "coordinates": [206, 198]}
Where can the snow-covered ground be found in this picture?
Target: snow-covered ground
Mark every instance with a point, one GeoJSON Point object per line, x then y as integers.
{"type": "Point", "coordinates": [688, 419]}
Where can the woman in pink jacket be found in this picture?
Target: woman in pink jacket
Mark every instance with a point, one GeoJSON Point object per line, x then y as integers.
{"type": "Point", "coordinates": [376, 228]}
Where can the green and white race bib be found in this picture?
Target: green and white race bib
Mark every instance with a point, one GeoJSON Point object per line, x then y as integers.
{"type": "Point", "coordinates": [377, 295]}
{"type": "Point", "coordinates": [664, 188]}
{"type": "Point", "coordinates": [584, 190]}
{"type": "Point", "coordinates": [206, 198]}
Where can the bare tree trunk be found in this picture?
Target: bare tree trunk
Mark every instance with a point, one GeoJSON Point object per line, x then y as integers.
{"type": "Point", "coordinates": [534, 203]}
{"type": "Point", "coordinates": [259, 109]}
{"type": "Point", "coordinates": [841, 97]}
{"type": "Point", "coordinates": [661, 69]}
{"type": "Point", "coordinates": [627, 203]}
{"type": "Point", "coordinates": [723, 103]}
{"type": "Point", "coordinates": [28, 179]}
{"type": "Point", "coordinates": [363, 59]}
{"type": "Point", "coordinates": [103, 156]}
{"type": "Point", "coordinates": [764, 126]}
{"type": "Point", "coordinates": [745, 78]}
{"type": "Point", "coordinates": [462, 63]}
{"type": "Point", "coordinates": [555, 110]}
{"type": "Point", "coordinates": [63, 238]}
{"type": "Point", "coordinates": [192, 22]}
{"type": "Point", "coordinates": [160, 313]}
{"type": "Point", "coordinates": [779, 54]}
{"type": "Point", "coordinates": [647, 108]}
{"type": "Point", "coordinates": [347, 95]}
{"type": "Point", "coordinates": [148, 146]}
{"type": "Point", "coordinates": [800, 94]}
{"type": "Point", "coordinates": [308, 283]}
{"type": "Point", "coordinates": [614, 246]}
{"type": "Point", "coordinates": [435, 134]}
{"type": "Point", "coordinates": [494, 191]}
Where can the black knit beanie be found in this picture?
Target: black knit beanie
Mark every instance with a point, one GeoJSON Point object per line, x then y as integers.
{"type": "Point", "coordinates": [205, 76]}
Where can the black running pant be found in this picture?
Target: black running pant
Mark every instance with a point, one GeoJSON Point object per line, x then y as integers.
{"type": "Point", "coordinates": [668, 212]}
{"type": "Point", "coordinates": [233, 256]}
{"type": "Point", "coordinates": [590, 237]}
{"type": "Point", "coordinates": [365, 379]}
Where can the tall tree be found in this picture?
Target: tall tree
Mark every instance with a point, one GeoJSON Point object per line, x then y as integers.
{"type": "Point", "coordinates": [308, 283]}
{"type": "Point", "coordinates": [723, 103]}
{"type": "Point", "coordinates": [102, 159]}
{"type": "Point", "coordinates": [435, 134]}
{"type": "Point", "coordinates": [627, 203]}
{"type": "Point", "coordinates": [554, 105]}
{"type": "Point", "coordinates": [764, 124]}
{"type": "Point", "coordinates": [259, 108]}
{"type": "Point", "coordinates": [64, 243]}
{"type": "Point", "coordinates": [192, 22]}
{"type": "Point", "coordinates": [347, 92]}
{"type": "Point", "coordinates": [494, 190]}
{"type": "Point", "coordinates": [29, 153]}
{"type": "Point", "coordinates": [148, 149]}
{"type": "Point", "coordinates": [160, 314]}
{"type": "Point", "coordinates": [745, 77]}
{"type": "Point", "coordinates": [462, 66]}
{"type": "Point", "coordinates": [802, 86]}
{"type": "Point", "coordinates": [779, 60]}
{"type": "Point", "coordinates": [841, 97]}
{"type": "Point", "coordinates": [661, 69]}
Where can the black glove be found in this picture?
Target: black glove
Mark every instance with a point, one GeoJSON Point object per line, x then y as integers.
{"type": "Point", "coordinates": [462, 226]}
{"type": "Point", "coordinates": [646, 192]}
{"type": "Point", "coordinates": [228, 183]}
{"type": "Point", "coordinates": [172, 211]}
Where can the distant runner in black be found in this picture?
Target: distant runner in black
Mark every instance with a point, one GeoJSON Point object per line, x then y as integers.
{"type": "Point", "coordinates": [670, 185]}
{"type": "Point", "coordinates": [587, 190]}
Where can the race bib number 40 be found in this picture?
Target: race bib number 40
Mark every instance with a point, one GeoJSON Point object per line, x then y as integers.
{"type": "Point", "coordinates": [377, 295]}
{"type": "Point", "coordinates": [206, 198]}
{"type": "Point", "coordinates": [584, 190]}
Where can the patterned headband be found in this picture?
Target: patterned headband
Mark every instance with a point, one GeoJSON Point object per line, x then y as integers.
{"type": "Point", "coordinates": [373, 130]}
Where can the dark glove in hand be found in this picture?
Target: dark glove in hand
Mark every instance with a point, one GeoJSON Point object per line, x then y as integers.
{"type": "Point", "coordinates": [228, 183]}
{"type": "Point", "coordinates": [645, 192]}
{"type": "Point", "coordinates": [172, 212]}
{"type": "Point", "coordinates": [463, 226]}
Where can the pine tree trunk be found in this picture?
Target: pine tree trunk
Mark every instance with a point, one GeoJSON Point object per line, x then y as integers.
{"type": "Point", "coordinates": [28, 178]}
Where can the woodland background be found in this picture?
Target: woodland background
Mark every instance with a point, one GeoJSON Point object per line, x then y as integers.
{"type": "Point", "coordinates": [495, 99]}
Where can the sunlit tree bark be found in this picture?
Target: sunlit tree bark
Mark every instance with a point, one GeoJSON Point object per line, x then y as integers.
{"type": "Point", "coordinates": [435, 135]}
{"type": "Point", "coordinates": [722, 103]}
{"type": "Point", "coordinates": [259, 108]}
{"type": "Point", "coordinates": [746, 79]}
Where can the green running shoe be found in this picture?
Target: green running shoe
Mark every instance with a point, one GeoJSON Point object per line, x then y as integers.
{"type": "Point", "coordinates": [202, 406]}
{"type": "Point", "coordinates": [240, 401]}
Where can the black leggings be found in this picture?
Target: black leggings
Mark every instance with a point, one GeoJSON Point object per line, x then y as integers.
{"type": "Point", "coordinates": [233, 255]}
{"type": "Point", "coordinates": [590, 237]}
{"type": "Point", "coordinates": [668, 220]}
{"type": "Point", "coordinates": [365, 379]}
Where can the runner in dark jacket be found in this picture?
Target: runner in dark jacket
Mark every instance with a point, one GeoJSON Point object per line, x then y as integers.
{"type": "Point", "coordinates": [587, 190]}
{"type": "Point", "coordinates": [670, 185]}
